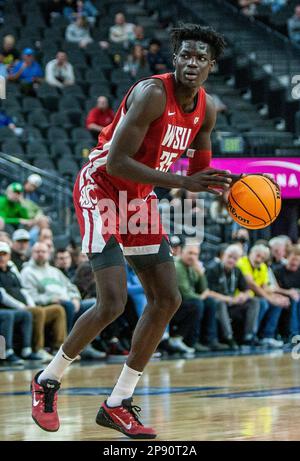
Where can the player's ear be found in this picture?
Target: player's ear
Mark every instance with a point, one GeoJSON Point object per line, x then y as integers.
{"type": "Point", "coordinates": [174, 59]}
{"type": "Point", "coordinates": [212, 65]}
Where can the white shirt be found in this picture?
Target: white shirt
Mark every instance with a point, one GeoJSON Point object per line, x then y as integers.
{"type": "Point", "coordinates": [53, 71]}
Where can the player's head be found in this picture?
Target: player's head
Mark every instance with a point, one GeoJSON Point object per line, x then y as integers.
{"type": "Point", "coordinates": [196, 49]}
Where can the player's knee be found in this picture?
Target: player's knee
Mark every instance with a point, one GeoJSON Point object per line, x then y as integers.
{"type": "Point", "coordinates": [110, 310]}
{"type": "Point", "coordinates": [171, 302]}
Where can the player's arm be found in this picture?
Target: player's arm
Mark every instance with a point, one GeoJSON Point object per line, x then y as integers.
{"type": "Point", "coordinates": [148, 104]}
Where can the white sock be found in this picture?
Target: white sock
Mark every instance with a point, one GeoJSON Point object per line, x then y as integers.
{"type": "Point", "coordinates": [9, 352]}
{"type": "Point", "coordinates": [125, 386]}
{"type": "Point", "coordinates": [56, 367]}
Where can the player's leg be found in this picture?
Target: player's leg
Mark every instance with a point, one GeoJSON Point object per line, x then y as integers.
{"type": "Point", "coordinates": [112, 295]}
{"type": "Point", "coordinates": [163, 299]}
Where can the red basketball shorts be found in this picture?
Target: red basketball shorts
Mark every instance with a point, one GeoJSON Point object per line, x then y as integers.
{"type": "Point", "coordinates": [104, 211]}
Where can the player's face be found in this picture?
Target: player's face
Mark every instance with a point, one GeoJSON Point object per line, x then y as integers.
{"type": "Point", "coordinates": [193, 63]}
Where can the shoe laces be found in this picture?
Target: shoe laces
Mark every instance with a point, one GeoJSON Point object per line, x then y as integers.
{"type": "Point", "coordinates": [133, 410]}
{"type": "Point", "coordinates": [49, 397]}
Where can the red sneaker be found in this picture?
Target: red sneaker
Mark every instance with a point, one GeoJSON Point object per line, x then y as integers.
{"type": "Point", "coordinates": [44, 403]}
{"type": "Point", "coordinates": [125, 419]}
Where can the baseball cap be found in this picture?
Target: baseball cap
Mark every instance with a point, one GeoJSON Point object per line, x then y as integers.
{"type": "Point", "coordinates": [15, 187]}
{"type": "Point", "coordinates": [35, 179]}
{"type": "Point", "coordinates": [28, 51]}
{"type": "Point", "coordinates": [20, 234]}
{"type": "Point", "coordinates": [4, 248]}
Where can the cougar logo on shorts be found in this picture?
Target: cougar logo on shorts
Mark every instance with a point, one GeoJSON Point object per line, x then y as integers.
{"type": "Point", "coordinates": [87, 200]}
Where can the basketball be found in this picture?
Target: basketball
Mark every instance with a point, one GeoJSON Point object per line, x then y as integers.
{"type": "Point", "coordinates": [254, 202]}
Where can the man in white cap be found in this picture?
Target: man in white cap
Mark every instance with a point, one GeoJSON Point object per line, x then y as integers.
{"type": "Point", "coordinates": [20, 247]}
{"type": "Point", "coordinates": [32, 183]}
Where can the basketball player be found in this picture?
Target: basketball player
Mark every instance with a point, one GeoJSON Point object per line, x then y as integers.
{"type": "Point", "coordinates": [159, 119]}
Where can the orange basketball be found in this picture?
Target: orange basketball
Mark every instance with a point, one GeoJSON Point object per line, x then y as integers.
{"type": "Point", "coordinates": [254, 202]}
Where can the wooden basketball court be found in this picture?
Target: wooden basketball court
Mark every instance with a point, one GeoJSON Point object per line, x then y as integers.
{"type": "Point", "coordinates": [252, 397]}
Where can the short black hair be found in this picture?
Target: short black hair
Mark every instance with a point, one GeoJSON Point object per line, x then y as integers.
{"type": "Point", "coordinates": [61, 250]}
{"type": "Point", "coordinates": [187, 31]}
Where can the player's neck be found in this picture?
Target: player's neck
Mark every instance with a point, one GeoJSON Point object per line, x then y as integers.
{"type": "Point", "coordinates": [185, 97]}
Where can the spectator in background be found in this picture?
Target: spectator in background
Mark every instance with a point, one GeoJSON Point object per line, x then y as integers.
{"type": "Point", "coordinates": [278, 247]}
{"type": "Point", "coordinates": [156, 61]}
{"type": "Point", "coordinates": [122, 32]}
{"type": "Point", "coordinates": [9, 52]}
{"type": "Point", "coordinates": [70, 10]}
{"type": "Point", "coordinates": [288, 277]}
{"type": "Point", "coordinates": [139, 37]}
{"type": "Point", "coordinates": [63, 262]}
{"type": "Point", "coordinates": [9, 320]}
{"type": "Point", "coordinates": [20, 247]}
{"type": "Point", "coordinates": [235, 303]}
{"type": "Point", "coordinates": [242, 237]}
{"type": "Point", "coordinates": [46, 236]}
{"type": "Point", "coordinates": [48, 285]}
{"type": "Point", "coordinates": [12, 210]}
{"type": "Point", "coordinates": [3, 68]}
{"type": "Point", "coordinates": [31, 186]}
{"type": "Point", "coordinates": [248, 7]}
{"type": "Point", "coordinates": [27, 71]}
{"type": "Point", "coordinates": [15, 296]}
{"type": "Point", "coordinates": [136, 61]}
{"type": "Point", "coordinates": [5, 237]}
{"type": "Point", "coordinates": [52, 9]}
{"type": "Point", "coordinates": [59, 72]}
{"type": "Point", "coordinates": [294, 26]}
{"type": "Point", "coordinates": [220, 215]}
{"type": "Point", "coordinates": [6, 120]}
{"type": "Point", "coordinates": [255, 271]}
{"type": "Point", "coordinates": [99, 117]}
{"type": "Point", "coordinates": [177, 243]}
{"type": "Point", "coordinates": [195, 319]}
{"type": "Point", "coordinates": [78, 32]}
{"type": "Point", "coordinates": [87, 9]}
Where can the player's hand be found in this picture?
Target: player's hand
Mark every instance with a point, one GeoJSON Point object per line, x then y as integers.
{"type": "Point", "coordinates": [208, 181]}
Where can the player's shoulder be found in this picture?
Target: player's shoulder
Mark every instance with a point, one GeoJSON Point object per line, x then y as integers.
{"type": "Point", "coordinates": [149, 98]}
{"type": "Point", "coordinates": [210, 103]}
{"type": "Point", "coordinates": [151, 88]}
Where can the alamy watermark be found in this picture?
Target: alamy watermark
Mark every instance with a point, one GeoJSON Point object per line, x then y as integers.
{"type": "Point", "coordinates": [145, 216]}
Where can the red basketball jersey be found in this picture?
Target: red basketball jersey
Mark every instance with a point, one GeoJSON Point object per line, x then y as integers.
{"type": "Point", "coordinates": [166, 140]}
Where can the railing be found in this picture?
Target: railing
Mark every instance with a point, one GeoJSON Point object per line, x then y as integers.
{"type": "Point", "coordinates": [56, 191]}
{"type": "Point", "coordinates": [292, 51]}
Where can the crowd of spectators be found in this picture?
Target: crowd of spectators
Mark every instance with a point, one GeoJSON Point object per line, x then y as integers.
{"type": "Point", "coordinates": [247, 296]}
